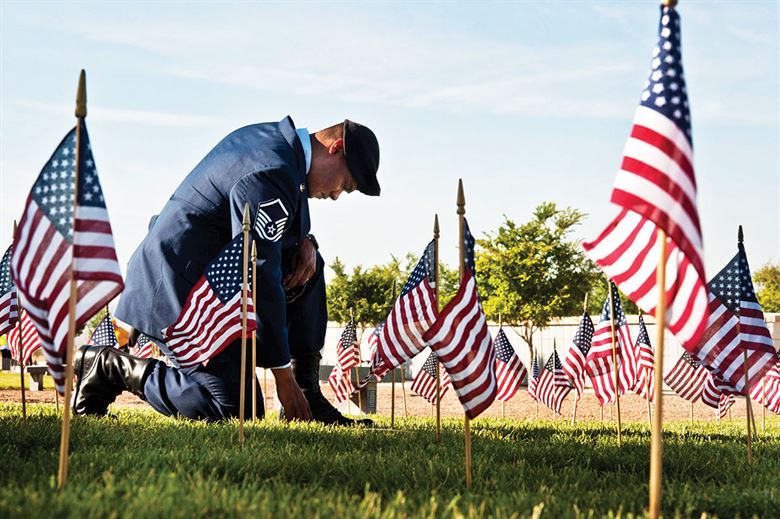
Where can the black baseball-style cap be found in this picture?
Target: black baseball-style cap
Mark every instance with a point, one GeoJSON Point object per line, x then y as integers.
{"type": "Point", "coordinates": [361, 149]}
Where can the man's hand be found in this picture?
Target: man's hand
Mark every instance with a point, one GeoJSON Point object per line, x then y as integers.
{"type": "Point", "coordinates": [295, 405]}
{"type": "Point", "coordinates": [303, 266]}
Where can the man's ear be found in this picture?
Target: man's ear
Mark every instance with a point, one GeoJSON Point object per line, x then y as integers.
{"type": "Point", "coordinates": [336, 146]}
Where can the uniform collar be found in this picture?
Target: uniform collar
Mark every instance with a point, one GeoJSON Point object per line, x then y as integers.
{"type": "Point", "coordinates": [303, 135]}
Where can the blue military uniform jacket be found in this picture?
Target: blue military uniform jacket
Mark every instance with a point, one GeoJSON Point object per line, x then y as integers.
{"type": "Point", "coordinates": [262, 165]}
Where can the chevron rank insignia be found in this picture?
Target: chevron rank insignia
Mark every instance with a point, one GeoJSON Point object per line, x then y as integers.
{"type": "Point", "coordinates": [271, 219]}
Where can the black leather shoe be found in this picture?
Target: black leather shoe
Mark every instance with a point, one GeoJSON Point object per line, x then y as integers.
{"type": "Point", "coordinates": [102, 374]}
{"type": "Point", "coordinates": [306, 369]}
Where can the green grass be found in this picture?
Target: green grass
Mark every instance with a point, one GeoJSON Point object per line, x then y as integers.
{"type": "Point", "coordinates": [145, 465]}
{"type": "Point", "coordinates": [13, 381]}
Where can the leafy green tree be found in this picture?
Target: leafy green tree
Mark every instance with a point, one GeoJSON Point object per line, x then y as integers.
{"type": "Point", "coordinates": [767, 281]}
{"type": "Point", "coordinates": [534, 272]}
{"type": "Point", "coordinates": [598, 294]}
{"type": "Point", "coordinates": [94, 322]}
{"type": "Point", "coordinates": [366, 292]}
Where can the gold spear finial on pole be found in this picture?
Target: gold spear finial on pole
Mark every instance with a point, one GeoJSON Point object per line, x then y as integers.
{"type": "Point", "coordinates": [81, 96]}
{"type": "Point", "coordinates": [669, 3]}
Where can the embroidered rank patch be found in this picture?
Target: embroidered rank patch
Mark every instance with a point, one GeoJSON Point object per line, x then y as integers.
{"type": "Point", "coordinates": [271, 219]}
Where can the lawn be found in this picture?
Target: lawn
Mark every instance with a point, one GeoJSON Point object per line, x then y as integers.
{"type": "Point", "coordinates": [13, 381]}
{"type": "Point", "coordinates": [145, 465]}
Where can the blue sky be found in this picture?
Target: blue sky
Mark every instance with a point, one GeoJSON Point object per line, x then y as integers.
{"type": "Point", "coordinates": [526, 101]}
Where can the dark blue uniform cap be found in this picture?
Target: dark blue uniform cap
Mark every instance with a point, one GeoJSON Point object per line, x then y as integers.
{"type": "Point", "coordinates": [361, 150]}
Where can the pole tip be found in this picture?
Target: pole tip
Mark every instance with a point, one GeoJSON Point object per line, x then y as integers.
{"type": "Point", "coordinates": [254, 250]}
{"type": "Point", "coordinates": [246, 214]}
{"type": "Point", "coordinates": [461, 197]}
{"type": "Point", "coordinates": [669, 3]}
{"type": "Point", "coordinates": [436, 225]}
{"type": "Point", "coordinates": [81, 96]}
{"type": "Point", "coordinates": [740, 235]}
{"type": "Point", "coordinates": [585, 304]}
{"type": "Point", "coordinates": [14, 236]}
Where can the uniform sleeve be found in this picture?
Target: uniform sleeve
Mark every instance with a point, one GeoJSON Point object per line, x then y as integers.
{"type": "Point", "coordinates": [267, 194]}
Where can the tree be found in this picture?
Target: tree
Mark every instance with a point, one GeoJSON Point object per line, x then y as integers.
{"type": "Point", "coordinates": [367, 292]}
{"type": "Point", "coordinates": [598, 294]}
{"type": "Point", "coordinates": [533, 272]}
{"type": "Point", "coordinates": [767, 280]}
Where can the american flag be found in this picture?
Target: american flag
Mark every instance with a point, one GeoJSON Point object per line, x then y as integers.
{"type": "Point", "coordinates": [51, 238]}
{"type": "Point", "coordinates": [534, 378]}
{"type": "Point", "coordinates": [211, 317]}
{"type": "Point", "coordinates": [377, 369]}
{"type": "Point", "coordinates": [510, 372]}
{"type": "Point", "coordinates": [142, 348]}
{"type": "Point", "coordinates": [656, 188]}
{"type": "Point", "coordinates": [718, 394]}
{"type": "Point", "coordinates": [736, 324]}
{"type": "Point", "coordinates": [9, 306]}
{"type": "Point", "coordinates": [687, 377]}
{"type": "Point", "coordinates": [461, 340]}
{"type": "Point", "coordinates": [574, 365]}
{"type": "Point", "coordinates": [104, 334]}
{"type": "Point", "coordinates": [414, 311]}
{"type": "Point", "coordinates": [29, 343]}
{"type": "Point", "coordinates": [599, 360]}
{"type": "Point", "coordinates": [645, 363]}
{"type": "Point", "coordinates": [424, 384]}
{"type": "Point", "coordinates": [552, 385]}
{"type": "Point", "coordinates": [767, 390]}
{"type": "Point", "coordinates": [348, 356]}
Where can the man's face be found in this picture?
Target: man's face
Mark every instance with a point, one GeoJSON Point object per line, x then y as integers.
{"type": "Point", "coordinates": [329, 175]}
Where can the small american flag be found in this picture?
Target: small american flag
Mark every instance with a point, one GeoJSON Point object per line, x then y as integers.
{"type": "Point", "coordinates": [533, 380]}
{"type": "Point", "coordinates": [510, 371]}
{"type": "Point", "coordinates": [461, 340]}
{"type": "Point", "coordinates": [424, 384]}
{"type": "Point", "coordinates": [9, 306]}
{"type": "Point", "coordinates": [656, 187]}
{"type": "Point", "coordinates": [348, 356]}
{"type": "Point", "coordinates": [401, 337]}
{"type": "Point", "coordinates": [687, 378]}
{"type": "Point", "coordinates": [52, 237]}
{"type": "Point", "coordinates": [736, 324]}
{"type": "Point", "coordinates": [552, 385]}
{"type": "Point", "coordinates": [767, 390]}
{"type": "Point", "coordinates": [574, 365]}
{"type": "Point", "coordinates": [599, 360]}
{"type": "Point", "coordinates": [211, 317]}
{"type": "Point", "coordinates": [104, 334]}
{"type": "Point", "coordinates": [645, 364]}
{"type": "Point", "coordinates": [142, 348]}
{"type": "Point", "coordinates": [718, 394]}
{"type": "Point", "coordinates": [30, 341]}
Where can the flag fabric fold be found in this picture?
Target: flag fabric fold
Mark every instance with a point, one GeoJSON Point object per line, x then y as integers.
{"type": "Point", "coordinates": [142, 347]}
{"type": "Point", "coordinates": [510, 371]}
{"type": "Point", "coordinates": [687, 378]}
{"type": "Point", "coordinates": [656, 189]}
{"type": "Point", "coordinates": [424, 383]}
{"type": "Point", "coordinates": [347, 357]}
{"type": "Point", "coordinates": [736, 325]}
{"type": "Point", "coordinates": [54, 237]}
{"type": "Point", "coordinates": [461, 341]}
{"type": "Point", "coordinates": [210, 319]}
{"type": "Point", "coordinates": [645, 385]}
{"type": "Point", "coordinates": [30, 341]}
{"type": "Point", "coordinates": [552, 386]}
{"type": "Point", "coordinates": [400, 338]}
{"type": "Point", "coordinates": [533, 378]}
{"type": "Point", "coordinates": [576, 358]}
{"type": "Point", "coordinates": [9, 305]}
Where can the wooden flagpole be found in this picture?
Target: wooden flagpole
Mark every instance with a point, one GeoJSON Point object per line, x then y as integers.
{"type": "Point", "coordinates": [254, 334]}
{"type": "Point", "coordinates": [21, 355]}
{"type": "Point", "coordinates": [763, 407]}
{"type": "Point", "coordinates": [403, 389]}
{"type": "Point", "coordinates": [691, 413]}
{"type": "Point", "coordinates": [436, 303]}
{"type": "Point", "coordinates": [461, 212]}
{"type": "Point", "coordinates": [244, 299]}
{"type": "Point", "coordinates": [656, 439]}
{"type": "Point", "coordinates": [749, 411]}
{"type": "Point", "coordinates": [615, 360]}
{"type": "Point", "coordinates": [81, 113]}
